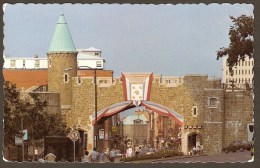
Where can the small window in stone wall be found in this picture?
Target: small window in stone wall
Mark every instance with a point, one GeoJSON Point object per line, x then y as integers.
{"type": "Point", "coordinates": [194, 111]}
{"type": "Point", "coordinates": [213, 102]}
{"type": "Point", "coordinates": [66, 78]}
{"type": "Point", "coordinates": [79, 80]}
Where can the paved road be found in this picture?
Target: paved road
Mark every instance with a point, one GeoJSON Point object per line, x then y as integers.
{"type": "Point", "coordinates": [220, 158]}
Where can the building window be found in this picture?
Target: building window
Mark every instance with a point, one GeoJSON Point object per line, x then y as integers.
{"type": "Point", "coordinates": [245, 72]}
{"type": "Point", "coordinates": [37, 63]}
{"type": "Point", "coordinates": [168, 81]}
{"type": "Point", "coordinates": [12, 63]}
{"type": "Point", "coordinates": [66, 77]}
{"type": "Point", "coordinates": [138, 121]}
{"type": "Point", "coordinates": [249, 72]}
{"type": "Point", "coordinates": [238, 80]}
{"type": "Point", "coordinates": [239, 64]}
{"type": "Point", "coordinates": [194, 111]}
{"type": "Point", "coordinates": [23, 63]}
{"type": "Point", "coordinates": [96, 53]}
{"type": "Point", "coordinates": [242, 63]}
{"type": "Point", "coordinates": [248, 63]}
{"type": "Point", "coordinates": [236, 72]}
{"type": "Point", "coordinates": [242, 80]}
{"type": "Point", "coordinates": [79, 80]}
{"type": "Point", "coordinates": [213, 102]}
{"type": "Point", "coordinates": [99, 64]}
{"type": "Point", "coordinates": [242, 72]}
{"type": "Point", "coordinates": [245, 63]}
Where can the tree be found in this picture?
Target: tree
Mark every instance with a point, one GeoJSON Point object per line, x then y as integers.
{"type": "Point", "coordinates": [241, 41]}
{"type": "Point", "coordinates": [14, 111]}
{"type": "Point", "coordinates": [36, 118]}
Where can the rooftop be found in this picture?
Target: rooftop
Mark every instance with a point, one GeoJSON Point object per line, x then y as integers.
{"type": "Point", "coordinates": [62, 40]}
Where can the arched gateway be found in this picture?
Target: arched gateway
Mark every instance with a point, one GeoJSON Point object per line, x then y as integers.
{"type": "Point", "coordinates": [125, 105]}
{"type": "Point", "coordinates": [136, 91]}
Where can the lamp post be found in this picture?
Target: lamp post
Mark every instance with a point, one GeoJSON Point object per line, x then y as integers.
{"type": "Point", "coordinates": [22, 139]}
{"type": "Point", "coordinates": [95, 125]}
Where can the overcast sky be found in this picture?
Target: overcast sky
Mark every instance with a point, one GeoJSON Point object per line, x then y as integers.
{"type": "Point", "coordinates": [172, 40]}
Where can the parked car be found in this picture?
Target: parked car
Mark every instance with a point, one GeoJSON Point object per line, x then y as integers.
{"type": "Point", "coordinates": [238, 145]}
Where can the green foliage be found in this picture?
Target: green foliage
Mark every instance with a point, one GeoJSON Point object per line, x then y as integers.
{"type": "Point", "coordinates": [241, 41]}
{"type": "Point", "coordinates": [156, 155]}
{"type": "Point", "coordinates": [35, 116]}
{"type": "Point", "coordinates": [13, 112]}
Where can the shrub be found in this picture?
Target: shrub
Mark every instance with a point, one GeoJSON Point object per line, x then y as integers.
{"type": "Point", "coordinates": [156, 155]}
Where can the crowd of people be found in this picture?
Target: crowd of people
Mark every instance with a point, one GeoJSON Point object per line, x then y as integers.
{"type": "Point", "coordinates": [99, 157]}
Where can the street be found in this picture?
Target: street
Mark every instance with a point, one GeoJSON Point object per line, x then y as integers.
{"type": "Point", "coordinates": [220, 158]}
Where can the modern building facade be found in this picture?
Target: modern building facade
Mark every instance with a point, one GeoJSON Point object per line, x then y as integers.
{"type": "Point", "coordinates": [136, 129]}
{"type": "Point", "coordinates": [90, 57]}
{"type": "Point", "coordinates": [243, 73]}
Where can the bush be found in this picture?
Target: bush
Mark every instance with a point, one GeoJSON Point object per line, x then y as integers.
{"type": "Point", "coordinates": [156, 155]}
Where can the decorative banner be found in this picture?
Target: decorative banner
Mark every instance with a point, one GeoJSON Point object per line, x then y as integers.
{"type": "Point", "coordinates": [137, 87]}
{"type": "Point", "coordinates": [137, 92]}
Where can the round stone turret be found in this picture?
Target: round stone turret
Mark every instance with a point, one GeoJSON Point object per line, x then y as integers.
{"type": "Point", "coordinates": [62, 63]}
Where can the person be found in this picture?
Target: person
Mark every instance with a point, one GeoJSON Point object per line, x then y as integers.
{"type": "Point", "coordinates": [112, 155]}
{"type": "Point", "coordinates": [50, 157]}
{"type": "Point", "coordinates": [94, 155]}
{"type": "Point", "coordinates": [102, 155]}
{"type": "Point", "coordinates": [85, 157]}
{"type": "Point", "coordinates": [41, 160]}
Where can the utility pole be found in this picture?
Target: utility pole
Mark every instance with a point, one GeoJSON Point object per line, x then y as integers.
{"type": "Point", "coordinates": [22, 139]}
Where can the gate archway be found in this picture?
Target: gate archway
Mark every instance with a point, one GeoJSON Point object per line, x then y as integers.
{"type": "Point", "coordinates": [121, 106]}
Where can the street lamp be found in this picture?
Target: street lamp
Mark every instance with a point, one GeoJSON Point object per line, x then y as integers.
{"type": "Point", "coordinates": [95, 125]}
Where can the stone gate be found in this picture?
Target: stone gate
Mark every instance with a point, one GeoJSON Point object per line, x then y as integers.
{"type": "Point", "coordinates": [198, 104]}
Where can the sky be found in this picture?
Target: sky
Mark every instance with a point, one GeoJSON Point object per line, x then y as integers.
{"type": "Point", "coordinates": [172, 40]}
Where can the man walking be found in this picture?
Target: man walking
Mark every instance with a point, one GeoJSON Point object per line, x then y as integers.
{"type": "Point", "coordinates": [112, 155]}
{"type": "Point", "coordinates": [94, 156]}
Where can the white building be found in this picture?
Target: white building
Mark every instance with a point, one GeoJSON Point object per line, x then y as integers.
{"type": "Point", "coordinates": [243, 72]}
{"type": "Point", "coordinates": [90, 57]}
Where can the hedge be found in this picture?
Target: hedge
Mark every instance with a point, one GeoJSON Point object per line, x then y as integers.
{"type": "Point", "coordinates": [156, 155]}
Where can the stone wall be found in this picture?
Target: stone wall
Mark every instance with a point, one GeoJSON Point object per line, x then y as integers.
{"type": "Point", "coordinates": [83, 99]}
{"type": "Point", "coordinates": [213, 120]}
{"type": "Point", "coordinates": [221, 117]}
{"type": "Point", "coordinates": [238, 113]}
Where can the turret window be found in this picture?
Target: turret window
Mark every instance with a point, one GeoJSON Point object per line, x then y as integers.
{"type": "Point", "coordinates": [66, 78]}
{"type": "Point", "coordinates": [79, 80]}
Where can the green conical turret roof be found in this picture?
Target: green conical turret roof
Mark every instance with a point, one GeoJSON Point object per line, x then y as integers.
{"type": "Point", "coordinates": [62, 40]}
